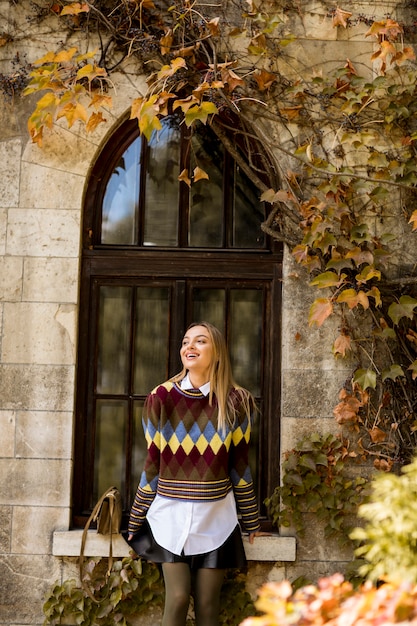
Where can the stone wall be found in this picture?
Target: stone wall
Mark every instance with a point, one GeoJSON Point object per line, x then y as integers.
{"type": "Point", "coordinates": [41, 198]}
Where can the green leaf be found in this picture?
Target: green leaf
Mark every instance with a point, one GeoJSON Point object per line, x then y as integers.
{"type": "Point", "coordinates": [404, 308]}
{"type": "Point", "coordinates": [327, 279]}
{"type": "Point", "coordinates": [365, 378]}
{"type": "Point", "coordinates": [395, 371]}
{"type": "Point", "coordinates": [308, 461]}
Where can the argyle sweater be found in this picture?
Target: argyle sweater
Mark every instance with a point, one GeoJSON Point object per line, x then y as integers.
{"type": "Point", "coordinates": [189, 459]}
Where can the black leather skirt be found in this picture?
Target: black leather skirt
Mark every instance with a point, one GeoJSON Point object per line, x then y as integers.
{"type": "Point", "coordinates": [231, 554]}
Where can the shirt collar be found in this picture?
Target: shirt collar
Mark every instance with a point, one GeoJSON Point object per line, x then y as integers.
{"type": "Point", "coordinates": [186, 384]}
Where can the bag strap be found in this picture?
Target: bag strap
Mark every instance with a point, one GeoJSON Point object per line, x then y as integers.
{"type": "Point", "coordinates": [93, 517]}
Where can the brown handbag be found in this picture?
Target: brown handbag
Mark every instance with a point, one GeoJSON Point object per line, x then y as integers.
{"type": "Point", "coordinates": [107, 513]}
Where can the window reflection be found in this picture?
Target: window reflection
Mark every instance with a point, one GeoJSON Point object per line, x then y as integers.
{"type": "Point", "coordinates": [113, 339]}
{"type": "Point", "coordinates": [111, 420]}
{"type": "Point", "coordinates": [121, 199]}
{"type": "Point", "coordinates": [248, 213]}
{"type": "Point", "coordinates": [206, 196]}
{"type": "Point", "coordinates": [162, 186]}
{"type": "Point", "coordinates": [246, 337]}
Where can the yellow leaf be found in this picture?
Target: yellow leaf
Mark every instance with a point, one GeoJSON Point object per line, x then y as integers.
{"type": "Point", "coordinates": [200, 113]}
{"type": "Point", "coordinates": [319, 311]}
{"type": "Point", "coordinates": [184, 177]}
{"type": "Point", "coordinates": [185, 104]}
{"type": "Point", "coordinates": [49, 57]}
{"type": "Point", "coordinates": [169, 70]}
{"type": "Point", "coordinates": [199, 174]}
{"type": "Point", "coordinates": [340, 17]}
{"type": "Point", "coordinates": [72, 113]}
{"type": "Point", "coordinates": [65, 55]}
{"type": "Point", "coordinates": [75, 8]}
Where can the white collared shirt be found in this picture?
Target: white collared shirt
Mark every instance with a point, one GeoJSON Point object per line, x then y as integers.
{"type": "Point", "coordinates": [192, 527]}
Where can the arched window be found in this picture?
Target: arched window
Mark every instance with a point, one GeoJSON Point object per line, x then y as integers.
{"type": "Point", "coordinates": [157, 255]}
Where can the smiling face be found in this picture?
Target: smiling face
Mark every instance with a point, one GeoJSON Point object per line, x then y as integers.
{"type": "Point", "coordinates": [197, 353]}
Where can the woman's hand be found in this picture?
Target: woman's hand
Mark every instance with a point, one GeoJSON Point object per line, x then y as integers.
{"type": "Point", "coordinates": [130, 536]}
{"type": "Point", "coordinates": [258, 533]}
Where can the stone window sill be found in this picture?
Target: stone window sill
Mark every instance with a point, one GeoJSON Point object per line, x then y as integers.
{"type": "Point", "coordinates": [68, 543]}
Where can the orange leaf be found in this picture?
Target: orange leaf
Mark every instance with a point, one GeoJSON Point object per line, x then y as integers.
{"type": "Point", "coordinates": [340, 17]}
{"type": "Point", "coordinates": [166, 42]}
{"type": "Point", "coordinates": [264, 79]}
{"type": "Point", "coordinates": [213, 26]}
{"type": "Point", "coordinates": [75, 8]}
{"type": "Point", "coordinates": [199, 174]}
{"type": "Point", "coordinates": [377, 435]}
{"type": "Point", "coordinates": [319, 311]}
{"type": "Point", "coordinates": [413, 220]}
{"type": "Point", "coordinates": [232, 79]}
{"type": "Point", "coordinates": [184, 177]}
{"type": "Point", "coordinates": [93, 121]}
{"type": "Point", "coordinates": [342, 345]}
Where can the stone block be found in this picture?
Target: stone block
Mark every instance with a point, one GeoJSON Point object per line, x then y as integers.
{"type": "Point", "coordinates": [63, 152]}
{"type": "Point", "coordinates": [310, 572]}
{"type": "Point", "coordinates": [10, 153]}
{"type": "Point", "coordinates": [37, 387]}
{"type": "Point", "coordinates": [3, 229]}
{"type": "Point", "coordinates": [11, 278]}
{"type": "Point", "coordinates": [43, 232]}
{"type": "Point", "coordinates": [315, 546]}
{"type": "Point", "coordinates": [50, 280]}
{"type": "Point", "coordinates": [49, 188]}
{"type": "Point", "coordinates": [35, 482]}
{"type": "Point", "coordinates": [5, 529]}
{"type": "Point", "coordinates": [313, 394]}
{"type": "Point", "coordinates": [7, 430]}
{"type": "Point", "coordinates": [36, 430]}
{"type": "Point", "coordinates": [25, 339]}
{"type": "Point", "coordinates": [291, 435]}
{"type": "Point", "coordinates": [25, 583]}
{"type": "Point", "coordinates": [33, 528]}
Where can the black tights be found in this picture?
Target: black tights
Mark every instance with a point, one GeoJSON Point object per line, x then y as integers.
{"type": "Point", "coordinates": [207, 586]}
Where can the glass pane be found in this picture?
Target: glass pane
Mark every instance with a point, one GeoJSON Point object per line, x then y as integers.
{"type": "Point", "coordinates": [113, 339]}
{"type": "Point", "coordinates": [139, 447]}
{"type": "Point", "coordinates": [248, 213]}
{"type": "Point", "coordinates": [246, 337]}
{"type": "Point", "coordinates": [120, 204]}
{"type": "Point", "coordinates": [209, 306]}
{"type": "Point", "coordinates": [109, 460]}
{"type": "Point", "coordinates": [206, 196]}
{"type": "Point", "coordinates": [162, 186]}
{"type": "Point", "coordinates": [151, 338]}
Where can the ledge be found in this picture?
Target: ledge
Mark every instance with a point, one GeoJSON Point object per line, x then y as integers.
{"type": "Point", "coordinates": [68, 543]}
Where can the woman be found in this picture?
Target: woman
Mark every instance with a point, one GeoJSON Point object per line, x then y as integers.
{"type": "Point", "coordinates": [197, 428]}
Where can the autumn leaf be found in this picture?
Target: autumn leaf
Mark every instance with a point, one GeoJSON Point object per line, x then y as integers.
{"type": "Point", "coordinates": [340, 17]}
{"type": "Point", "coordinates": [342, 345]}
{"type": "Point", "coordinates": [377, 435]}
{"type": "Point", "coordinates": [99, 100]}
{"type": "Point", "coordinates": [264, 79]}
{"type": "Point", "coordinates": [348, 408]}
{"type": "Point", "coordinates": [65, 55]}
{"type": "Point", "coordinates": [394, 372]}
{"type": "Point", "coordinates": [375, 294]}
{"type": "Point", "coordinates": [413, 220]}
{"type": "Point", "coordinates": [73, 111]}
{"type": "Point", "coordinates": [352, 298]}
{"type": "Point", "coordinates": [200, 113]}
{"type": "Point", "coordinates": [413, 368]}
{"type": "Point", "coordinates": [94, 120]}
{"type": "Point", "coordinates": [368, 272]}
{"type": "Point", "coordinates": [231, 78]}
{"type": "Point", "coordinates": [169, 70]}
{"type": "Point", "coordinates": [365, 378]}
{"type": "Point", "coordinates": [184, 177]}
{"type": "Point", "coordinates": [327, 279]}
{"type": "Point", "coordinates": [146, 111]}
{"type": "Point", "coordinates": [75, 8]}
{"type": "Point", "coordinates": [360, 256]}
{"type": "Point", "coordinates": [199, 174]}
{"type": "Point", "coordinates": [404, 308]}
{"type": "Point", "coordinates": [213, 26]}
{"type": "Point", "coordinates": [320, 311]}
{"type": "Point", "coordinates": [166, 41]}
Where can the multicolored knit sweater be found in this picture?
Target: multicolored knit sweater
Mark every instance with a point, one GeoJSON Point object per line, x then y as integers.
{"type": "Point", "coordinates": [189, 459]}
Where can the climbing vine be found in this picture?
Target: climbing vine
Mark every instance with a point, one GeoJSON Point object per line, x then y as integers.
{"type": "Point", "coordinates": [337, 169]}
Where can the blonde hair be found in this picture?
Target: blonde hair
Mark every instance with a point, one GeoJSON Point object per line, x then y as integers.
{"type": "Point", "coordinates": [222, 381]}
